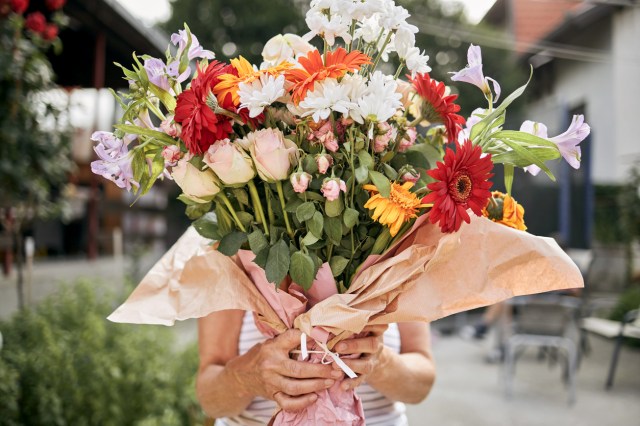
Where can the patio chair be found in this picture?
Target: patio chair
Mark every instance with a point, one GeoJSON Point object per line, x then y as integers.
{"type": "Point", "coordinates": [547, 322]}
{"type": "Point", "coordinates": [629, 327]}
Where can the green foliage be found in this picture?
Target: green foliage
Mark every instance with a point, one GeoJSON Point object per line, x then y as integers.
{"type": "Point", "coordinates": [63, 363]}
{"type": "Point", "coordinates": [34, 142]}
{"type": "Point", "coordinates": [236, 28]}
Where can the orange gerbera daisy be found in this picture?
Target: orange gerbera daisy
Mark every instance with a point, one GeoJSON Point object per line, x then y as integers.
{"type": "Point", "coordinates": [243, 73]}
{"type": "Point", "coordinates": [502, 208]}
{"type": "Point", "coordinates": [336, 64]}
{"type": "Point", "coordinates": [401, 206]}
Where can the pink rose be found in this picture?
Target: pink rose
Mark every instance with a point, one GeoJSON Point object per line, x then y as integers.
{"type": "Point", "coordinates": [385, 134]}
{"type": "Point", "coordinates": [170, 127]}
{"type": "Point", "coordinates": [197, 185]}
{"type": "Point", "coordinates": [230, 163]}
{"type": "Point", "coordinates": [171, 154]}
{"type": "Point", "coordinates": [410, 177]}
{"type": "Point", "coordinates": [324, 161]}
{"type": "Point", "coordinates": [273, 154]}
{"type": "Point", "coordinates": [409, 139]}
{"type": "Point", "coordinates": [300, 181]}
{"type": "Point", "coordinates": [329, 141]}
{"type": "Point", "coordinates": [331, 188]}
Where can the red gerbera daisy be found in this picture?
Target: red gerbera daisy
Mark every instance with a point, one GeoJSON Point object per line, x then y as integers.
{"type": "Point", "coordinates": [201, 127]}
{"type": "Point", "coordinates": [462, 182]}
{"type": "Point", "coordinates": [437, 107]}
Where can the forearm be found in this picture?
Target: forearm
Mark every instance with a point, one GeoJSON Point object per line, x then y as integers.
{"type": "Point", "coordinates": [406, 377]}
{"type": "Point", "coordinates": [221, 391]}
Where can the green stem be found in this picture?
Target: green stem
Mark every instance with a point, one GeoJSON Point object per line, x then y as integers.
{"type": "Point", "coordinates": [257, 206]}
{"type": "Point", "coordinates": [329, 251]}
{"type": "Point", "coordinates": [154, 109]}
{"type": "Point", "coordinates": [380, 52]}
{"type": "Point", "coordinates": [400, 68]}
{"type": "Point", "coordinates": [268, 193]}
{"type": "Point", "coordinates": [351, 31]}
{"type": "Point", "coordinates": [227, 203]}
{"type": "Point", "coordinates": [284, 212]}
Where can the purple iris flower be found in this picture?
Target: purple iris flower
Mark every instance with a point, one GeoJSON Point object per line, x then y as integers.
{"type": "Point", "coordinates": [158, 73]}
{"type": "Point", "coordinates": [567, 142]}
{"type": "Point", "coordinates": [181, 38]}
{"type": "Point", "coordinates": [473, 74]}
{"type": "Point", "coordinates": [114, 161]}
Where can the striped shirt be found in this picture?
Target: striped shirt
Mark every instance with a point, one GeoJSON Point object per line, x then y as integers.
{"type": "Point", "coordinates": [378, 409]}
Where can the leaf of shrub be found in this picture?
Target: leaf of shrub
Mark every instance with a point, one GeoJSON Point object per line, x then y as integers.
{"type": "Point", "coordinates": [207, 226]}
{"type": "Point", "coordinates": [257, 241]}
{"type": "Point", "coordinates": [278, 263]}
{"type": "Point", "coordinates": [231, 243]}
{"type": "Point", "coordinates": [351, 217]}
{"type": "Point", "coordinates": [337, 264]}
{"type": "Point", "coordinates": [305, 211]}
{"type": "Point", "coordinates": [302, 270]}
{"type": "Point", "coordinates": [315, 224]}
{"type": "Point", "coordinates": [381, 182]}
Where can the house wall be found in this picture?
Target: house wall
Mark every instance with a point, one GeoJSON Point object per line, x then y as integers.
{"type": "Point", "coordinates": [609, 90]}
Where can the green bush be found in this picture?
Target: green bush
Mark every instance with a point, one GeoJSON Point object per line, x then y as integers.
{"type": "Point", "coordinates": [63, 363]}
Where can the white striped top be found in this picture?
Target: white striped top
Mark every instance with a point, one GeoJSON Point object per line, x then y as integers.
{"type": "Point", "coordinates": [378, 409]}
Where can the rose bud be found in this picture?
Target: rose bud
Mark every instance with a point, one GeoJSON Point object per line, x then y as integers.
{"type": "Point", "coordinates": [273, 154]}
{"type": "Point", "coordinates": [171, 154]}
{"type": "Point", "coordinates": [408, 140]}
{"type": "Point", "coordinates": [324, 161]}
{"type": "Point", "coordinates": [331, 188]}
{"type": "Point", "coordinates": [300, 181]}
{"type": "Point", "coordinates": [198, 186]}
{"type": "Point", "coordinates": [230, 163]}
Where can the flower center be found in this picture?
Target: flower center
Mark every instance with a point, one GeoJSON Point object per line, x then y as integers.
{"type": "Point", "coordinates": [460, 187]}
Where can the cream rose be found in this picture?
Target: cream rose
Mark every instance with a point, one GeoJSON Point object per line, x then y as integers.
{"type": "Point", "coordinates": [199, 186]}
{"type": "Point", "coordinates": [284, 47]}
{"type": "Point", "coordinates": [273, 154]}
{"type": "Point", "coordinates": [230, 163]}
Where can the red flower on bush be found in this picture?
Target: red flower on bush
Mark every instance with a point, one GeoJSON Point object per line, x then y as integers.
{"type": "Point", "coordinates": [55, 4]}
{"type": "Point", "coordinates": [36, 22]}
{"type": "Point", "coordinates": [50, 32]}
{"type": "Point", "coordinates": [201, 127]}
{"type": "Point", "coordinates": [462, 182]}
{"type": "Point", "coordinates": [438, 108]}
{"type": "Point", "coordinates": [19, 6]}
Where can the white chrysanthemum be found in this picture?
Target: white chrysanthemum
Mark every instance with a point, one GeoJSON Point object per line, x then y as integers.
{"type": "Point", "coordinates": [368, 29]}
{"type": "Point", "coordinates": [360, 10]}
{"type": "Point", "coordinates": [328, 95]}
{"type": "Point", "coordinates": [403, 41]}
{"type": "Point", "coordinates": [380, 102]}
{"type": "Point", "coordinates": [260, 93]}
{"type": "Point", "coordinates": [393, 16]}
{"type": "Point", "coordinates": [354, 85]}
{"type": "Point", "coordinates": [417, 62]}
{"type": "Point", "coordinates": [328, 28]}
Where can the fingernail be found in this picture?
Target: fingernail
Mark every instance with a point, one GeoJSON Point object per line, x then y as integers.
{"type": "Point", "coordinates": [336, 373]}
{"type": "Point", "coordinates": [314, 397]}
{"type": "Point", "coordinates": [329, 382]}
{"type": "Point", "coordinates": [341, 347]}
{"type": "Point", "coordinates": [345, 386]}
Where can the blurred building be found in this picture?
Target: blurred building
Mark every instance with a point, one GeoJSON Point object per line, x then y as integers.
{"type": "Point", "coordinates": [585, 60]}
{"type": "Point", "coordinates": [100, 33]}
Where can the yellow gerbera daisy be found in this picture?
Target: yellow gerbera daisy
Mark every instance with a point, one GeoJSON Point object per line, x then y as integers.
{"type": "Point", "coordinates": [246, 74]}
{"type": "Point", "coordinates": [401, 206]}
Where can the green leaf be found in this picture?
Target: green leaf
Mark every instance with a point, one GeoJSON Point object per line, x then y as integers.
{"type": "Point", "coordinates": [309, 164]}
{"type": "Point", "coordinates": [334, 208]}
{"type": "Point", "coordinates": [194, 211]}
{"type": "Point", "coordinates": [245, 218]}
{"type": "Point", "coordinates": [362, 174]}
{"type": "Point", "coordinates": [241, 195]}
{"type": "Point", "coordinates": [302, 270]}
{"type": "Point", "coordinates": [135, 130]}
{"type": "Point", "coordinates": [165, 97]}
{"type": "Point", "coordinates": [207, 226]}
{"type": "Point", "coordinates": [139, 164]}
{"type": "Point", "coordinates": [257, 241]}
{"type": "Point", "coordinates": [315, 224]}
{"type": "Point", "coordinates": [487, 123]}
{"type": "Point", "coordinates": [381, 182]}
{"type": "Point", "coordinates": [293, 204]}
{"type": "Point", "coordinates": [351, 217]}
{"type": "Point", "coordinates": [314, 196]}
{"type": "Point", "coordinates": [310, 239]}
{"type": "Point", "coordinates": [278, 262]}
{"type": "Point", "coordinates": [523, 138]}
{"type": "Point", "coordinates": [530, 157]}
{"type": "Point", "coordinates": [337, 264]}
{"type": "Point", "coordinates": [261, 258]}
{"type": "Point", "coordinates": [231, 243]}
{"type": "Point", "coordinates": [508, 177]}
{"type": "Point", "coordinates": [305, 211]}
{"type": "Point", "coordinates": [390, 172]}
{"type": "Point", "coordinates": [366, 159]}
{"type": "Point", "coordinates": [333, 229]}
{"type": "Point", "coordinates": [225, 221]}
{"type": "Point", "coordinates": [428, 152]}
{"type": "Point", "coordinates": [512, 157]}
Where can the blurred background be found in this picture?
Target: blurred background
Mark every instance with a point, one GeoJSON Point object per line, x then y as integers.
{"type": "Point", "coordinates": [72, 245]}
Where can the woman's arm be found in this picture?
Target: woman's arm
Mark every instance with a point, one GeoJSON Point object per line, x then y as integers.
{"type": "Point", "coordinates": [227, 382]}
{"type": "Point", "coordinates": [406, 377]}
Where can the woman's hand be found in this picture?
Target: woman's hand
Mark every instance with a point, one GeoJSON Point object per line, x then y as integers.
{"type": "Point", "coordinates": [272, 374]}
{"type": "Point", "coordinates": [373, 355]}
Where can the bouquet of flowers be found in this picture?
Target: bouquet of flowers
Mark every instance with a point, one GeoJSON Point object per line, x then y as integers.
{"type": "Point", "coordinates": [319, 170]}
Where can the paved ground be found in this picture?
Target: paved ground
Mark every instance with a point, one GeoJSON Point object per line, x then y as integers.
{"type": "Point", "coordinates": [469, 391]}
